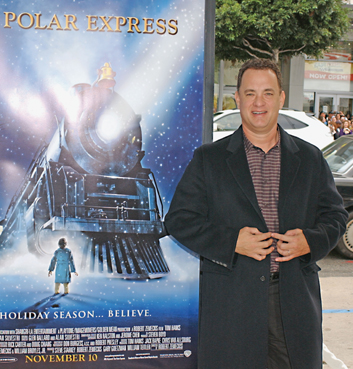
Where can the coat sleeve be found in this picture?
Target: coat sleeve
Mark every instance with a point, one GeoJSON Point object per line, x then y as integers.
{"type": "Point", "coordinates": [188, 218]}
{"type": "Point", "coordinates": [52, 263]}
{"type": "Point", "coordinates": [331, 218]}
{"type": "Point", "coordinates": [72, 263]}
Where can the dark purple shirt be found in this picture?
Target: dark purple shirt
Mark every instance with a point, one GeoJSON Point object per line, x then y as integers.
{"type": "Point", "coordinates": [265, 169]}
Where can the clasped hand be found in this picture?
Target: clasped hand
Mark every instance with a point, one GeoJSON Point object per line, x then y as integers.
{"type": "Point", "coordinates": [257, 245]}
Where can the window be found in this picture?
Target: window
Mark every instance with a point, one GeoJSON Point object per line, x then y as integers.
{"type": "Point", "coordinates": [229, 122]}
{"type": "Point", "coordinates": [339, 155]}
{"type": "Point", "coordinates": [290, 123]}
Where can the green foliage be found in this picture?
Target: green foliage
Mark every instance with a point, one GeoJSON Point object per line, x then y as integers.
{"type": "Point", "coordinates": [277, 28]}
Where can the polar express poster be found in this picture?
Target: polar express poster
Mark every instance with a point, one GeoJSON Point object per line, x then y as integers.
{"type": "Point", "coordinates": [101, 109]}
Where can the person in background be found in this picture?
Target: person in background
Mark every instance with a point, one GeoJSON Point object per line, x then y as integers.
{"type": "Point", "coordinates": [323, 117]}
{"type": "Point", "coordinates": [337, 125]}
{"type": "Point", "coordinates": [333, 129]}
{"type": "Point", "coordinates": [63, 261]}
{"type": "Point", "coordinates": [323, 120]}
{"type": "Point", "coordinates": [331, 114]}
{"type": "Point", "coordinates": [345, 130]}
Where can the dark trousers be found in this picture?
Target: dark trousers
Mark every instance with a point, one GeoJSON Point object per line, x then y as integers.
{"type": "Point", "coordinates": [277, 357]}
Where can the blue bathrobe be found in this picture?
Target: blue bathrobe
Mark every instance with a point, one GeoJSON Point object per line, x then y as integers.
{"type": "Point", "coordinates": [65, 265]}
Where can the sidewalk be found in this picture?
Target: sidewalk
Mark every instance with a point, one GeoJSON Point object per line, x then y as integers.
{"type": "Point", "coordinates": [337, 300]}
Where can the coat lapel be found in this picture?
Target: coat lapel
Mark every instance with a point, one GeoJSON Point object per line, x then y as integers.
{"type": "Point", "coordinates": [238, 165]}
{"type": "Point", "coordinates": [290, 164]}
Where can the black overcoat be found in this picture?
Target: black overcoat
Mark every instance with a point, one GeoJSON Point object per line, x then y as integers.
{"type": "Point", "coordinates": [213, 201]}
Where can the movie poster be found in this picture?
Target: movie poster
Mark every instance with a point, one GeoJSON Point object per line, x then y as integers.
{"type": "Point", "coordinates": [100, 110]}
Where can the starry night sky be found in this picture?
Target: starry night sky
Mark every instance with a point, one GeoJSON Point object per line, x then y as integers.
{"type": "Point", "coordinates": [160, 76]}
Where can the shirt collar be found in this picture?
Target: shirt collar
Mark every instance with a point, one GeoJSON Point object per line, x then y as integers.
{"type": "Point", "coordinates": [250, 146]}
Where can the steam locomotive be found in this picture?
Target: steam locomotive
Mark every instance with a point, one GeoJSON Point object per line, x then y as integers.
{"type": "Point", "coordinates": [89, 185]}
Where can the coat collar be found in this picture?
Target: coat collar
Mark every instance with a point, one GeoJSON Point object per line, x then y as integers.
{"type": "Point", "coordinates": [239, 167]}
{"type": "Point", "coordinates": [287, 142]}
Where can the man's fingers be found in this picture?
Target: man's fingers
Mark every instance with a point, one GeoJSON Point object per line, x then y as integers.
{"type": "Point", "coordinates": [262, 237]}
{"type": "Point", "coordinates": [250, 230]}
{"type": "Point", "coordinates": [284, 258]}
{"type": "Point", "coordinates": [280, 237]}
{"type": "Point", "coordinates": [263, 253]}
{"type": "Point", "coordinates": [288, 235]}
{"type": "Point", "coordinates": [253, 243]}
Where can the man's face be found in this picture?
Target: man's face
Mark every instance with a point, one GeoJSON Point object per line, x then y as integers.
{"type": "Point", "coordinates": [259, 100]}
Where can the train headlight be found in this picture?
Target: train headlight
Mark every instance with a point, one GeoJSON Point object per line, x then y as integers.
{"type": "Point", "coordinates": [109, 127]}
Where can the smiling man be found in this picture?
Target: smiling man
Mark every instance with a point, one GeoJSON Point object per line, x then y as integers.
{"type": "Point", "coordinates": [259, 98]}
{"type": "Point", "coordinates": [260, 207]}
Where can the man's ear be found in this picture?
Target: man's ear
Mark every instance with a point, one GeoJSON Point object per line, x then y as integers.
{"type": "Point", "coordinates": [236, 95]}
{"type": "Point", "coordinates": [282, 98]}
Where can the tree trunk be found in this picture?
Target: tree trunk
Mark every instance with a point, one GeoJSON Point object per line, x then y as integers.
{"type": "Point", "coordinates": [275, 53]}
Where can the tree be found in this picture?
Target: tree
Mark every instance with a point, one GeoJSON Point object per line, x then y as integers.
{"type": "Point", "coordinates": [277, 28]}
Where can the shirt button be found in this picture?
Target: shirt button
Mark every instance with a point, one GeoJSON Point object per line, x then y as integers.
{"type": "Point", "coordinates": [263, 278]}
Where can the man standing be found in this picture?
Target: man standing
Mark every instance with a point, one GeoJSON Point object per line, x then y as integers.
{"type": "Point", "coordinates": [260, 207]}
{"type": "Point", "coordinates": [64, 263]}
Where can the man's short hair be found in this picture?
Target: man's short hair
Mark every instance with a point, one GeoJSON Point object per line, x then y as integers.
{"type": "Point", "coordinates": [62, 243]}
{"type": "Point", "coordinates": [260, 64]}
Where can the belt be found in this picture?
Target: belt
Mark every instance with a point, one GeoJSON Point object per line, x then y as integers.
{"type": "Point", "coordinates": [274, 276]}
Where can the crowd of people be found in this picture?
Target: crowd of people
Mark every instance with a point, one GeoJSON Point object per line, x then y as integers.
{"type": "Point", "coordinates": [339, 123]}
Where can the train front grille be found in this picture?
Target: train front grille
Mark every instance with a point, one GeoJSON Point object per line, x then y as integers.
{"type": "Point", "coordinates": [126, 256]}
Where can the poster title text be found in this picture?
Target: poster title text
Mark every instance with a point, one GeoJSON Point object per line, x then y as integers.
{"type": "Point", "coordinates": [95, 23]}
